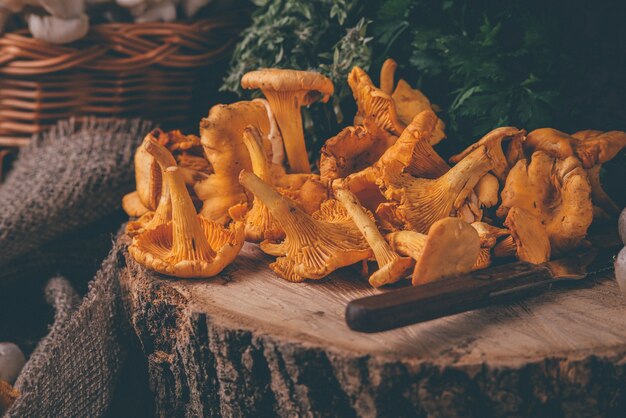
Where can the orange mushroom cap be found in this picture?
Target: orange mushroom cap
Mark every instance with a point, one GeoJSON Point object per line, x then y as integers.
{"type": "Point", "coordinates": [555, 191]}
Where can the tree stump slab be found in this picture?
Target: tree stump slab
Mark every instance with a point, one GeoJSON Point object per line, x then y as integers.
{"type": "Point", "coordinates": [248, 343]}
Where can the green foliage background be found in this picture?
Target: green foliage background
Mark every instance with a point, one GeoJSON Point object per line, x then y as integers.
{"type": "Point", "coordinates": [487, 63]}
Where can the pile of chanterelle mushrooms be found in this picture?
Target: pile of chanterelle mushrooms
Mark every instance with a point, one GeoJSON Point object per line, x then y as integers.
{"type": "Point", "coordinates": [383, 192]}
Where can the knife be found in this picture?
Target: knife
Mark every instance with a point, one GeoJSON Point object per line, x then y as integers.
{"type": "Point", "coordinates": [452, 295]}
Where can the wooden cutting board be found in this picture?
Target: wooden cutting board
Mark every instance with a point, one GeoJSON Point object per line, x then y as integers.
{"type": "Point", "coordinates": [249, 343]}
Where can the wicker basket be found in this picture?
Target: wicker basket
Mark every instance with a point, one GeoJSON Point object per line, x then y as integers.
{"type": "Point", "coordinates": [158, 71]}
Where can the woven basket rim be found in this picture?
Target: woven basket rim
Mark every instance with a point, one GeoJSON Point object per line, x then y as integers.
{"type": "Point", "coordinates": [221, 20]}
{"type": "Point", "coordinates": [114, 47]}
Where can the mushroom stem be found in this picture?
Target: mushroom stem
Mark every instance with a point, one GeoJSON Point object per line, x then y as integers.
{"type": "Point", "coordinates": [392, 267]}
{"type": "Point", "coordinates": [387, 73]}
{"type": "Point", "coordinates": [163, 212]}
{"type": "Point", "coordinates": [164, 159]}
{"type": "Point", "coordinates": [151, 220]}
{"type": "Point", "coordinates": [287, 91]}
{"type": "Point", "coordinates": [254, 143]}
{"type": "Point", "coordinates": [407, 243]}
{"type": "Point", "coordinates": [278, 147]}
{"type": "Point", "coordinates": [487, 190]}
{"type": "Point", "coordinates": [493, 141]}
{"type": "Point", "coordinates": [260, 224]}
{"type": "Point", "coordinates": [189, 241]}
{"type": "Point", "coordinates": [293, 219]}
{"type": "Point", "coordinates": [161, 155]}
{"type": "Point", "coordinates": [286, 106]}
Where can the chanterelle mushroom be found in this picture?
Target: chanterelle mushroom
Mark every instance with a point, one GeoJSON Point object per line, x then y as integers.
{"type": "Point", "coordinates": [409, 101]}
{"type": "Point", "coordinates": [189, 245]}
{"type": "Point", "coordinates": [373, 103]}
{"type": "Point", "coordinates": [387, 73]}
{"type": "Point", "coordinates": [306, 189]}
{"type": "Point", "coordinates": [132, 205]}
{"type": "Point", "coordinates": [312, 248]}
{"type": "Point", "coordinates": [594, 148]}
{"type": "Point", "coordinates": [413, 149]}
{"type": "Point", "coordinates": [163, 212]}
{"type": "Point", "coordinates": [487, 190]}
{"type": "Point", "coordinates": [556, 192]}
{"type": "Point", "coordinates": [411, 153]}
{"type": "Point", "coordinates": [528, 240]}
{"type": "Point", "coordinates": [554, 143]}
{"type": "Point", "coordinates": [597, 149]}
{"type": "Point", "coordinates": [188, 153]}
{"type": "Point", "coordinates": [421, 202]}
{"type": "Point", "coordinates": [493, 142]}
{"type": "Point", "coordinates": [287, 91]}
{"type": "Point", "coordinates": [391, 267]}
{"type": "Point", "coordinates": [451, 247]}
{"type": "Point", "coordinates": [222, 139]}
{"type": "Point", "coordinates": [487, 234]}
{"type": "Point", "coordinates": [353, 149]}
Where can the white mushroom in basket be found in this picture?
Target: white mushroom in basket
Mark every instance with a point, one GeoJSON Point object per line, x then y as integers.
{"type": "Point", "coordinates": [57, 30]}
{"type": "Point", "coordinates": [150, 10]}
{"type": "Point", "coordinates": [54, 21]}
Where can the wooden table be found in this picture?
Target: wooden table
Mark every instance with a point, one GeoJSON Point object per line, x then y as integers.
{"type": "Point", "coordinates": [251, 344]}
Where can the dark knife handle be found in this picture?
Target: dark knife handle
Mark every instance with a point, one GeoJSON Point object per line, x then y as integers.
{"type": "Point", "coordinates": [445, 297]}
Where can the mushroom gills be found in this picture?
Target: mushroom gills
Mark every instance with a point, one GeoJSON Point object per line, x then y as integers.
{"type": "Point", "coordinates": [189, 245]}
{"type": "Point", "coordinates": [312, 248]}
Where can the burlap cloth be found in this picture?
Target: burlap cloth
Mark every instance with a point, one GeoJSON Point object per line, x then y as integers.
{"type": "Point", "coordinates": [62, 189]}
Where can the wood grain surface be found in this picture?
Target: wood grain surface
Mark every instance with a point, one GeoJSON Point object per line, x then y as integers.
{"type": "Point", "coordinates": [574, 318]}
{"type": "Point", "coordinates": [562, 353]}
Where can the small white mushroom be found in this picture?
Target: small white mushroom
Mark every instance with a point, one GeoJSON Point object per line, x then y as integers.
{"type": "Point", "coordinates": [12, 361]}
{"type": "Point", "coordinates": [130, 4]}
{"type": "Point", "coordinates": [151, 10]}
{"type": "Point", "coordinates": [56, 30]}
{"type": "Point", "coordinates": [620, 270]}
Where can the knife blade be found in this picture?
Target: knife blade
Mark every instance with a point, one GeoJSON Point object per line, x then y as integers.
{"type": "Point", "coordinates": [452, 295]}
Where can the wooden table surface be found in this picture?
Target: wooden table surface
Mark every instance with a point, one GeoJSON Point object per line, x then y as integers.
{"type": "Point", "coordinates": [561, 353]}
